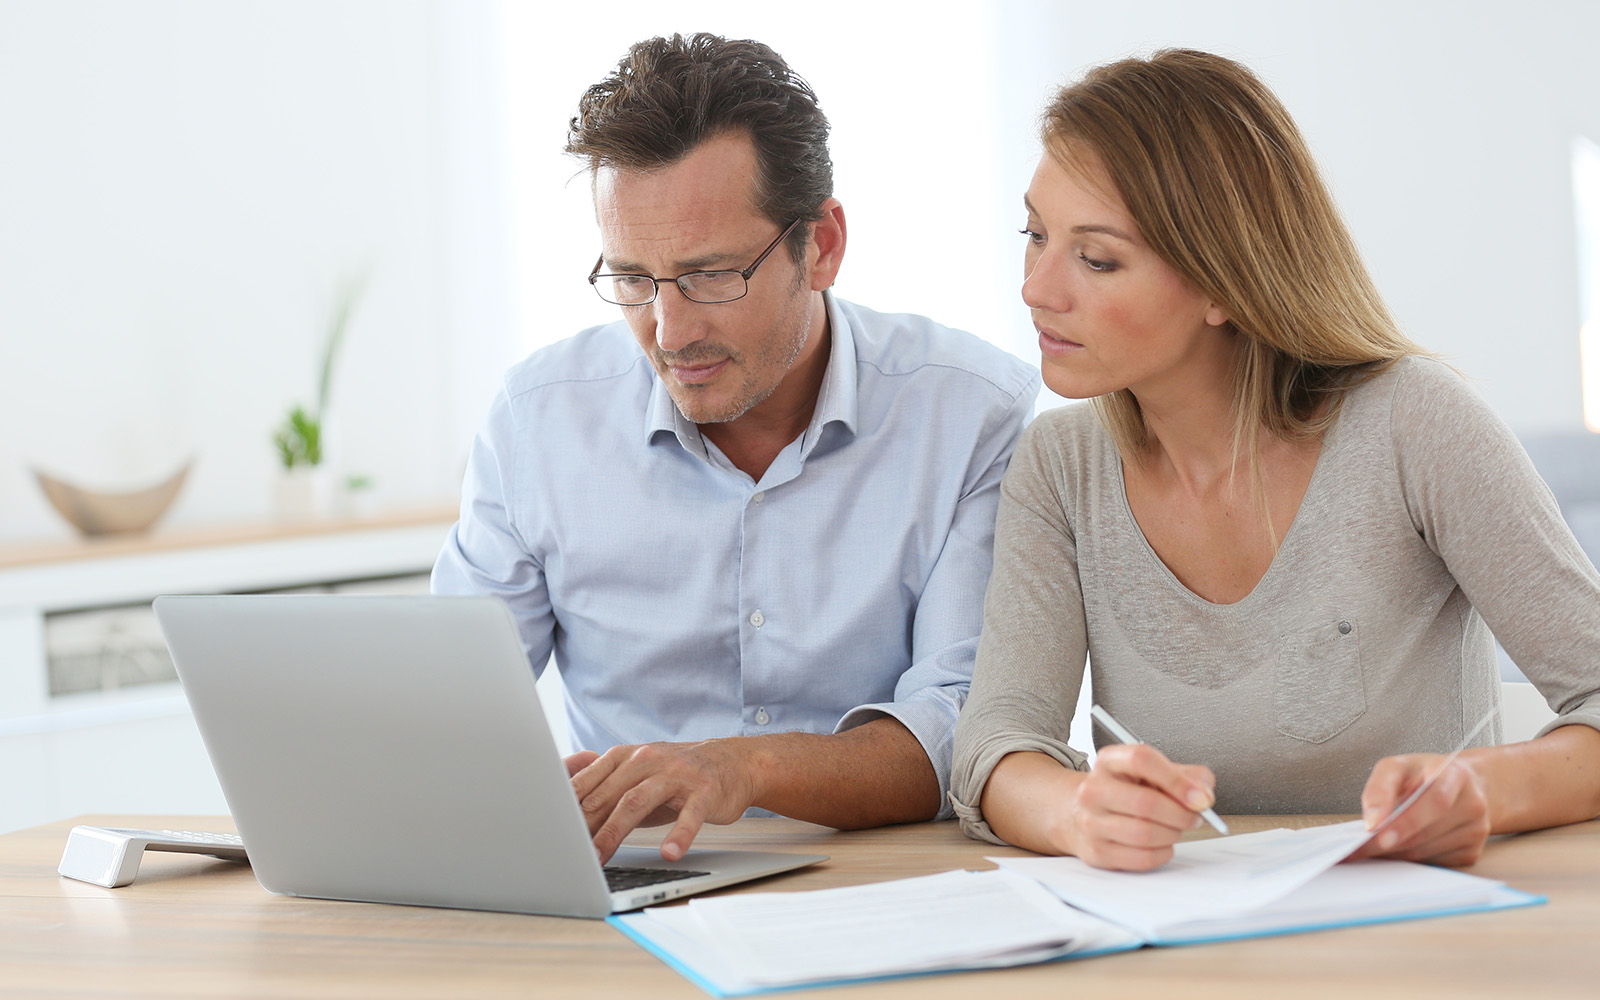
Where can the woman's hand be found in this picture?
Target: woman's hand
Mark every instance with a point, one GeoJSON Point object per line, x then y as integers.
{"type": "Point", "coordinates": [1126, 813]}
{"type": "Point", "coordinates": [1448, 825]}
{"type": "Point", "coordinates": [1134, 805]}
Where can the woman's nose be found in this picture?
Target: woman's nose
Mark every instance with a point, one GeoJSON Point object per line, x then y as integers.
{"type": "Point", "coordinates": [1044, 285]}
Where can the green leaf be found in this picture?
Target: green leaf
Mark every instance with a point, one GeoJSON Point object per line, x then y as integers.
{"type": "Point", "coordinates": [349, 295]}
{"type": "Point", "coordinates": [299, 439]}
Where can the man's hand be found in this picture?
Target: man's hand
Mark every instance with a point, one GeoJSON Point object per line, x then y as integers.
{"type": "Point", "coordinates": [873, 774]}
{"type": "Point", "coordinates": [657, 783]}
{"type": "Point", "coordinates": [1448, 825]}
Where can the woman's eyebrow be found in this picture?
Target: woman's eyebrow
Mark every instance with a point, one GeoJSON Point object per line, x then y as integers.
{"type": "Point", "coordinates": [1088, 227]}
{"type": "Point", "coordinates": [1108, 230]}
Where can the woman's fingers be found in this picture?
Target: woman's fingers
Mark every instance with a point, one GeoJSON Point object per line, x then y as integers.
{"type": "Point", "coordinates": [1448, 824]}
{"type": "Point", "coordinates": [1135, 804]}
{"type": "Point", "coordinates": [1189, 787]}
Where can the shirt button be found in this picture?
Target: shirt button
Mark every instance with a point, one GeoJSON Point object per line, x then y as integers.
{"type": "Point", "coordinates": [762, 718]}
{"type": "Point", "coordinates": [757, 619]}
{"type": "Point", "coordinates": [1344, 628]}
{"type": "Point", "coordinates": [759, 496]}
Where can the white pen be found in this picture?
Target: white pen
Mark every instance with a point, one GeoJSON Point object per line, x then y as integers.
{"type": "Point", "coordinates": [1122, 735]}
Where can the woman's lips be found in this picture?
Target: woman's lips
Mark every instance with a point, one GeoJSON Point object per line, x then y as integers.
{"type": "Point", "coordinates": [1055, 344]}
{"type": "Point", "coordinates": [695, 374]}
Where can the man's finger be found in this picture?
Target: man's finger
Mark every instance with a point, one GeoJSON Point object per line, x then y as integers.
{"type": "Point", "coordinates": [630, 810]}
{"type": "Point", "coordinates": [578, 761]}
{"type": "Point", "coordinates": [595, 773]}
{"type": "Point", "coordinates": [677, 844]}
{"type": "Point", "coordinates": [599, 785]}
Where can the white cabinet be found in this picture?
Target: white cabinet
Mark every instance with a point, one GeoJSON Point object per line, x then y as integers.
{"type": "Point", "coordinates": [136, 749]}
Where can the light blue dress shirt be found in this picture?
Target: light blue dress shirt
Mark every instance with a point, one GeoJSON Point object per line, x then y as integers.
{"type": "Point", "coordinates": [685, 601]}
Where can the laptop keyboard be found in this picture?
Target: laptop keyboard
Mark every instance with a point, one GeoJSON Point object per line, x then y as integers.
{"type": "Point", "coordinates": [203, 839]}
{"type": "Point", "coordinates": [619, 878]}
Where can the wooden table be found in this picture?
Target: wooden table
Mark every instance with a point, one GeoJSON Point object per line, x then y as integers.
{"type": "Point", "coordinates": [193, 926]}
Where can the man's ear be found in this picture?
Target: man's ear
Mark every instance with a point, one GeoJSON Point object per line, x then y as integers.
{"type": "Point", "coordinates": [827, 245]}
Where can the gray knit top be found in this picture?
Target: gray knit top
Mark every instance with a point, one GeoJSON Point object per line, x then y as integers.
{"type": "Point", "coordinates": [1424, 527]}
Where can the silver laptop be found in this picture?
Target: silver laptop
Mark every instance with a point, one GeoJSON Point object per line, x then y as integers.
{"type": "Point", "coordinates": [393, 750]}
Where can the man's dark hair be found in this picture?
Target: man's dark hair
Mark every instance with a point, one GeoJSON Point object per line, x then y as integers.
{"type": "Point", "coordinates": [668, 95]}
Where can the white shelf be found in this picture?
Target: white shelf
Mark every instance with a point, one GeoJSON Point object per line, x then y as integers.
{"type": "Point", "coordinates": [108, 574]}
{"type": "Point", "coordinates": [35, 583]}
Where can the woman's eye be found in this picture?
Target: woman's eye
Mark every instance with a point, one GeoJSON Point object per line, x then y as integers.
{"type": "Point", "coordinates": [1102, 266]}
{"type": "Point", "coordinates": [1037, 239]}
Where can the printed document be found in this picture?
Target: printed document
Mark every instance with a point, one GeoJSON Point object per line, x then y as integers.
{"type": "Point", "coordinates": [1037, 909]}
{"type": "Point", "coordinates": [1257, 883]}
{"type": "Point", "coordinates": [1204, 878]}
{"type": "Point", "coordinates": [958, 919]}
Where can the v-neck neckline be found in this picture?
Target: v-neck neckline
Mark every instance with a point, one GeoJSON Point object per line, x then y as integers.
{"type": "Point", "coordinates": [1329, 441]}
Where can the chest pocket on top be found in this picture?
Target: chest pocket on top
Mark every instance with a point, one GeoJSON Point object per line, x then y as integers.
{"type": "Point", "coordinates": [1318, 690]}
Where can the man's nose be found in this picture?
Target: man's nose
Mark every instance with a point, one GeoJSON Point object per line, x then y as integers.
{"type": "Point", "coordinates": [679, 320]}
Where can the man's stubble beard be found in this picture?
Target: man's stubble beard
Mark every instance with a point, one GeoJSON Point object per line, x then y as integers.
{"type": "Point", "coordinates": [786, 339]}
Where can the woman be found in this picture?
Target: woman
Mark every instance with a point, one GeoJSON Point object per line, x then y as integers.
{"type": "Point", "coordinates": [1282, 533]}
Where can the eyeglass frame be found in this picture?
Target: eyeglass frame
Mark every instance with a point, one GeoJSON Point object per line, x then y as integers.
{"type": "Point", "coordinates": [745, 273]}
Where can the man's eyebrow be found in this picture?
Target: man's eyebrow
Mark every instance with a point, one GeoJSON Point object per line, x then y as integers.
{"type": "Point", "coordinates": [712, 261]}
{"type": "Point", "coordinates": [705, 262]}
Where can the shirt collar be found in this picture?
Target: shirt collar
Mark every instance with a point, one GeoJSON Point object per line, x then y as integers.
{"type": "Point", "coordinates": [662, 416]}
{"type": "Point", "coordinates": [836, 400]}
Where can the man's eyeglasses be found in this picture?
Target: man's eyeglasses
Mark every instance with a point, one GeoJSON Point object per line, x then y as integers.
{"type": "Point", "coordinates": [696, 286]}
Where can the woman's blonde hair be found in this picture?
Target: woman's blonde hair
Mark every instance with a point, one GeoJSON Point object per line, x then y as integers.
{"type": "Point", "coordinates": [1221, 185]}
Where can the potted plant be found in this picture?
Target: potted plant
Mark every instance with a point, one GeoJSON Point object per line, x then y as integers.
{"type": "Point", "coordinates": [305, 489]}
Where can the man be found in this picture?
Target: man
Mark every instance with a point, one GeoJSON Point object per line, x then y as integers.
{"type": "Point", "coordinates": [752, 521]}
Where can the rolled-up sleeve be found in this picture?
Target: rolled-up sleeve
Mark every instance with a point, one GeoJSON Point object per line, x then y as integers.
{"type": "Point", "coordinates": [1031, 657]}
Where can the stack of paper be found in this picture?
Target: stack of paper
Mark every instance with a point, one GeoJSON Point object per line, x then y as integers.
{"type": "Point", "coordinates": [1276, 882]}
{"type": "Point", "coordinates": [1273, 882]}
{"type": "Point", "coordinates": [957, 920]}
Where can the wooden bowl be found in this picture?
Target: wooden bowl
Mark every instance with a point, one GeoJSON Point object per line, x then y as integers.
{"type": "Point", "coordinates": [95, 513]}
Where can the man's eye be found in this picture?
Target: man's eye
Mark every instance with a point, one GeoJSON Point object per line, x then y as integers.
{"type": "Point", "coordinates": [715, 280]}
{"type": "Point", "coordinates": [713, 286]}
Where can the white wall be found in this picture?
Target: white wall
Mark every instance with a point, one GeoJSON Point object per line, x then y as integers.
{"type": "Point", "coordinates": [185, 184]}
{"type": "Point", "coordinates": [1443, 126]}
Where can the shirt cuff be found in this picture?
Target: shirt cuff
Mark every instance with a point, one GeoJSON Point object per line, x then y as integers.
{"type": "Point", "coordinates": [931, 718]}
